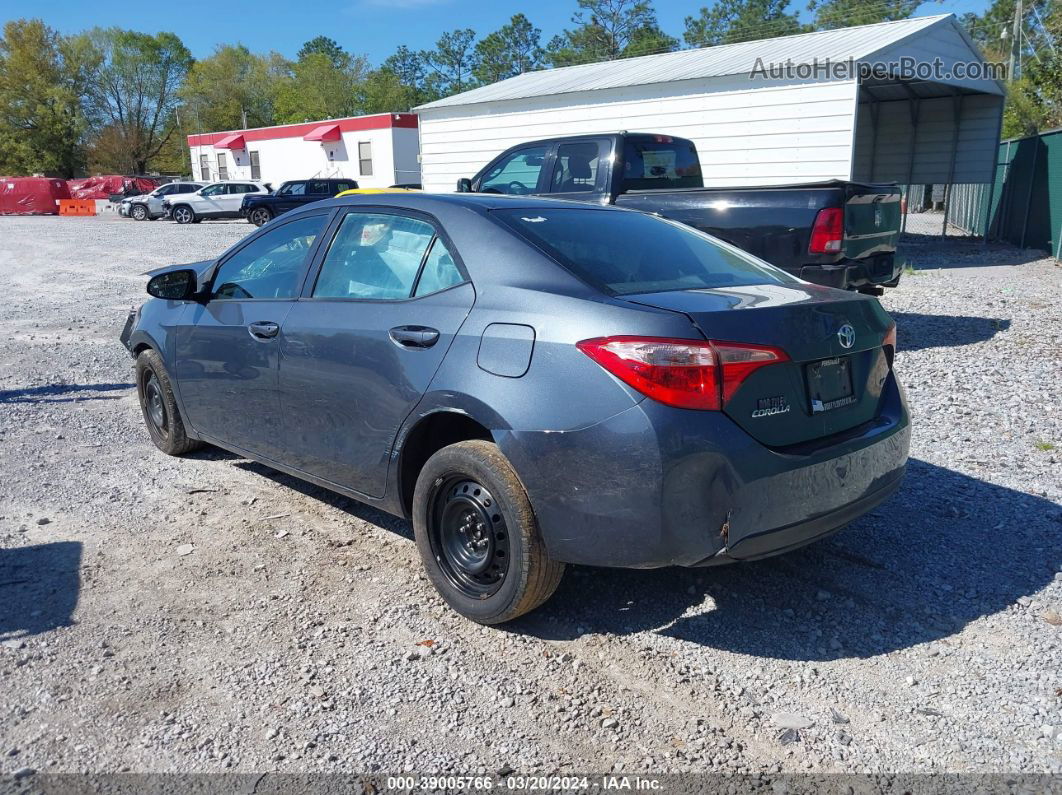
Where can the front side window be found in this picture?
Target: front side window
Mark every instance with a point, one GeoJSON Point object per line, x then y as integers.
{"type": "Point", "coordinates": [576, 168]}
{"type": "Point", "coordinates": [270, 265]}
{"type": "Point", "coordinates": [374, 255]}
{"type": "Point", "coordinates": [293, 189]}
{"type": "Point", "coordinates": [365, 158]}
{"type": "Point", "coordinates": [627, 252]}
{"type": "Point", "coordinates": [515, 174]}
{"type": "Point", "coordinates": [213, 190]}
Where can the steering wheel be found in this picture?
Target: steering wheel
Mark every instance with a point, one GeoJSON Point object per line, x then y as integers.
{"type": "Point", "coordinates": [518, 188]}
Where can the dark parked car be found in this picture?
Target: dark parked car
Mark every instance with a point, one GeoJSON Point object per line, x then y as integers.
{"type": "Point", "coordinates": [296, 193]}
{"type": "Point", "coordinates": [841, 234]}
{"type": "Point", "coordinates": [533, 382]}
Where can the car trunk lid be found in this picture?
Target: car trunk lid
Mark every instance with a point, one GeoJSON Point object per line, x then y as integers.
{"type": "Point", "coordinates": [836, 370]}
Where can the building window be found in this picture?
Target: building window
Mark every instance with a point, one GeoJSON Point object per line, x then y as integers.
{"type": "Point", "coordinates": [223, 171]}
{"type": "Point", "coordinates": [365, 158]}
{"type": "Point", "coordinates": [204, 168]}
{"type": "Point", "coordinates": [256, 169]}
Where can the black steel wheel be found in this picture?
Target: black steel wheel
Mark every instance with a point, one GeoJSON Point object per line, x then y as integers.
{"type": "Point", "coordinates": [469, 537]}
{"type": "Point", "coordinates": [477, 535]}
{"type": "Point", "coordinates": [159, 406]}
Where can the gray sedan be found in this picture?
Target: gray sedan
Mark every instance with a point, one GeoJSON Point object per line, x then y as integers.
{"type": "Point", "coordinates": [532, 382]}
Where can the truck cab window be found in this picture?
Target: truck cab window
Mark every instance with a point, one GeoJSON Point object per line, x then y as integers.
{"type": "Point", "coordinates": [515, 174]}
{"type": "Point", "coordinates": [576, 168]}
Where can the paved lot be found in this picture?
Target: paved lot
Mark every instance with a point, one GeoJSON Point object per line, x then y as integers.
{"type": "Point", "coordinates": [925, 637]}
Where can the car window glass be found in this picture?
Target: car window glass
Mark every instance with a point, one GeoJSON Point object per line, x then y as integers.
{"type": "Point", "coordinates": [213, 190]}
{"type": "Point", "coordinates": [318, 187]}
{"type": "Point", "coordinates": [293, 189]}
{"type": "Point", "coordinates": [660, 162]}
{"type": "Point", "coordinates": [516, 174]}
{"type": "Point", "coordinates": [440, 270]}
{"type": "Point", "coordinates": [624, 253]}
{"type": "Point", "coordinates": [270, 265]}
{"type": "Point", "coordinates": [374, 256]}
{"type": "Point", "coordinates": [342, 186]}
{"type": "Point", "coordinates": [576, 168]}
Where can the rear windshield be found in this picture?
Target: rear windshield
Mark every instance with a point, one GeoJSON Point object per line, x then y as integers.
{"type": "Point", "coordinates": [660, 162]}
{"type": "Point", "coordinates": [628, 252]}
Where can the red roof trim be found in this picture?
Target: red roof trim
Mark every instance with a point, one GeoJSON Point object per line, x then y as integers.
{"type": "Point", "coordinates": [326, 132]}
{"type": "Point", "coordinates": [380, 121]}
{"type": "Point", "coordinates": [234, 141]}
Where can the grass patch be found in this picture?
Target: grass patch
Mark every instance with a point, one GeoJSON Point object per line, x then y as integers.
{"type": "Point", "coordinates": [1043, 447]}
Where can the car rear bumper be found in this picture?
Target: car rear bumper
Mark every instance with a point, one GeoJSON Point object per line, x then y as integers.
{"type": "Point", "coordinates": [656, 486]}
{"type": "Point", "coordinates": [876, 271]}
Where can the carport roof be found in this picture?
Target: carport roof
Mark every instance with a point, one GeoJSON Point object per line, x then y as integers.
{"type": "Point", "coordinates": [857, 44]}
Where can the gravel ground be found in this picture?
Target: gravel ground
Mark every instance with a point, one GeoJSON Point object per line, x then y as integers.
{"type": "Point", "coordinates": [298, 633]}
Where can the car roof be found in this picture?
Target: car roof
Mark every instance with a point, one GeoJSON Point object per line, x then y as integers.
{"type": "Point", "coordinates": [479, 202]}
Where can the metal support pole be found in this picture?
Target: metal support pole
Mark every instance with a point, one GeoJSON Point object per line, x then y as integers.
{"type": "Point", "coordinates": [915, 109]}
{"type": "Point", "coordinates": [957, 116]}
{"type": "Point", "coordinates": [1028, 195]}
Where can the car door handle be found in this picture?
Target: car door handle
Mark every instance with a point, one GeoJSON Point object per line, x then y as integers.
{"type": "Point", "coordinates": [414, 336]}
{"type": "Point", "coordinates": [264, 330]}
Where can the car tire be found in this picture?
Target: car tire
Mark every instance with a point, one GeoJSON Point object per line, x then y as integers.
{"type": "Point", "coordinates": [183, 214]}
{"type": "Point", "coordinates": [138, 212]}
{"type": "Point", "coordinates": [260, 216]}
{"type": "Point", "coordinates": [478, 537]}
{"type": "Point", "coordinates": [161, 415]}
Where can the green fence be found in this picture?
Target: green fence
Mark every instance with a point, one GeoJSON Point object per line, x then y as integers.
{"type": "Point", "coordinates": [1024, 205]}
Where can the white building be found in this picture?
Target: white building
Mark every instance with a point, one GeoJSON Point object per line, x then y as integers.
{"type": "Point", "coordinates": [377, 151]}
{"type": "Point", "coordinates": [811, 123]}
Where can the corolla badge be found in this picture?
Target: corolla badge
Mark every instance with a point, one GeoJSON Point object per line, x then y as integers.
{"type": "Point", "coordinates": [846, 335]}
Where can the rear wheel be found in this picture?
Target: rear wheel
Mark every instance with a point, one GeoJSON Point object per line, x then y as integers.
{"type": "Point", "coordinates": [478, 537]}
{"type": "Point", "coordinates": [161, 415]}
{"type": "Point", "coordinates": [260, 216]}
{"type": "Point", "coordinates": [139, 212]}
{"type": "Point", "coordinates": [183, 214]}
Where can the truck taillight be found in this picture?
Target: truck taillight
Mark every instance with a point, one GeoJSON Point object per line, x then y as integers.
{"type": "Point", "coordinates": [687, 374]}
{"type": "Point", "coordinates": [827, 233]}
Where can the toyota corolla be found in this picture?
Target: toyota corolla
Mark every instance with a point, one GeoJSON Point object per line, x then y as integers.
{"type": "Point", "coordinates": [532, 383]}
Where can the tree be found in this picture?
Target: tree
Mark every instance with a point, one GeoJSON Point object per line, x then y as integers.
{"type": "Point", "coordinates": [512, 50]}
{"type": "Point", "coordinates": [318, 89]}
{"type": "Point", "coordinates": [412, 71]}
{"type": "Point", "coordinates": [610, 29]}
{"type": "Point", "coordinates": [452, 64]}
{"type": "Point", "coordinates": [133, 91]}
{"type": "Point", "coordinates": [41, 122]}
{"type": "Point", "coordinates": [730, 21]}
{"type": "Point", "coordinates": [383, 92]}
{"type": "Point", "coordinates": [322, 45]}
{"type": "Point", "coordinates": [227, 86]}
{"type": "Point", "coordinates": [830, 14]}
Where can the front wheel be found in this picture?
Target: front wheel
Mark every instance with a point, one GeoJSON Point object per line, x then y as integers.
{"type": "Point", "coordinates": [260, 216]}
{"type": "Point", "coordinates": [183, 214]}
{"type": "Point", "coordinates": [478, 537]}
{"type": "Point", "coordinates": [139, 212]}
{"type": "Point", "coordinates": [161, 415]}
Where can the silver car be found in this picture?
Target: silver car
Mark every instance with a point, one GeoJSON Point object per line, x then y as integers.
{"type": "Point", "coordinates": [148, 206]}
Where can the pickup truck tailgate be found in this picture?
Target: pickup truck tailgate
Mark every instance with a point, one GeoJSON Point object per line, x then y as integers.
{"type": "Point", "coordinates": [871, 220]}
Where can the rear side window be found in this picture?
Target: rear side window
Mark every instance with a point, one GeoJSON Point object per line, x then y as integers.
{"type": "Point", "coordinates": [660, 161]}
{"type": "Point", "coordinates": [576, 168]}
{"type": "Point", "coordinates": [627, 252]}
{"type": "Point", "coordinates": [270, 265]}
{"type": "Point", "coordinates": [440, 271]}
{"type": "Point", "coordinates": [375, 256]}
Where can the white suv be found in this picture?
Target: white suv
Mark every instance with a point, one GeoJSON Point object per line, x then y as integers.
{"type": "Point", "coordinates": [217, 200]}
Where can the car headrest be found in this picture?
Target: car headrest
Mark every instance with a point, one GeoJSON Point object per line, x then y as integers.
{"type": "Point", "coordinates": [579, 167]}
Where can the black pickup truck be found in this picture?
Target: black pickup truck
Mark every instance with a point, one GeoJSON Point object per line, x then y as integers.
{"type": "Point", "coordinates": [837, 233]}
{"type": "Point", "coordinates": [262, 208]}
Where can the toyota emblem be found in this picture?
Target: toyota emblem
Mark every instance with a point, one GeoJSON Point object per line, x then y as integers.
{"type": "Point", "coordinates": [846, 335]}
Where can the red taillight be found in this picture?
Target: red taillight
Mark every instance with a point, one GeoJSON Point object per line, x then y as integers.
{"type": "Point", "coordinates": [687, 374]}
{"type": "Point", "coordinates": [827, 233]}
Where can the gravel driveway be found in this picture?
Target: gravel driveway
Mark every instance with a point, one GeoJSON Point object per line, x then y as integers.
{"type": "Point", "coordinates": [210, 614]}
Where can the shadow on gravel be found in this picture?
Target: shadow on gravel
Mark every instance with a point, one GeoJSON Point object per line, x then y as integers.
{"type": "Point", "coordinates": [39, 588]}
{"type": "Point", "coordinates": [54, 393]}
{"type": "Point", "coordinates": [930, 252]}
{"type": "Point", "coordinates": [944, 551]}
{"type": "Point", "coordinates": [917, 332]}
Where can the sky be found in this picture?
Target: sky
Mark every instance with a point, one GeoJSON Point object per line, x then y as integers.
{"type": "Point", "coordinates": [368, 27]}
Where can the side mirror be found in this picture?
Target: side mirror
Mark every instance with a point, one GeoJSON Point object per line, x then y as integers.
{"type": "Point", "coordinates": [464, 185]}
{"type": "Point", "coordinates": [173, 285]}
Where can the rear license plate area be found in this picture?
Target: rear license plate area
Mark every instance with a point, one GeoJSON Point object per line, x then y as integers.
{"type": "Point", "coordinates": [830, 384]}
